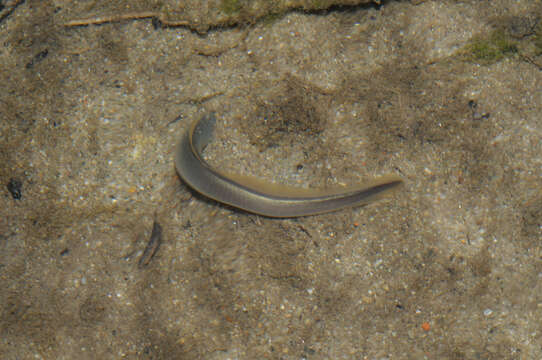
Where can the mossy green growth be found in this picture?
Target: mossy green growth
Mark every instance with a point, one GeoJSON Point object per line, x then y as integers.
{"type": "Point", "coordinates": [490, 49]}
{"type": "Point", "coordinates": [231, 7]}
{"type": "Point", "coordinates": [320, 4]}
{"type": "Point", "coordinates": [273, 17]}
{"type": "Point", "coordinates": [537, 40]}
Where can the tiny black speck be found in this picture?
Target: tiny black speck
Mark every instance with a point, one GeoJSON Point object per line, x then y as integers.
{"type": "Point", "coordinates": [156, 23]}
{"type": "Point", "coordinates": [14, 188]}
{"type": "Point", "coordinates": [187, 225]}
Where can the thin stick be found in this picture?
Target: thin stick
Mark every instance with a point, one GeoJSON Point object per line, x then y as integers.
{"type": "Point", "coordinates": [531, 61]}
{"type": "Point", "coordinates": [126, 16]}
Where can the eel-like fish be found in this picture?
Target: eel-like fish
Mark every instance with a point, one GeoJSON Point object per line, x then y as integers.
{"type": "Point", "coordinates": [262, 197]}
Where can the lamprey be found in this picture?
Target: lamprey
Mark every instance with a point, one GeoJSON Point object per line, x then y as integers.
{"type": "Point", "coordinates": [262, 197]}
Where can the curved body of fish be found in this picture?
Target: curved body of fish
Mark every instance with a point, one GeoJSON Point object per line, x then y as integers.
{"type": "Point", "coordinates": [261, 197]}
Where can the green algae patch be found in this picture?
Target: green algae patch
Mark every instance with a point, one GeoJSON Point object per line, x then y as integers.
{"type": "Point", "coordinates": [489, 49]}
{"type": "Point", "coordinates": [231, 7]}
{"type": "Point", "coordinates": [320, 4]}
{"type": "Point", "coordinates": [537, 40]}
